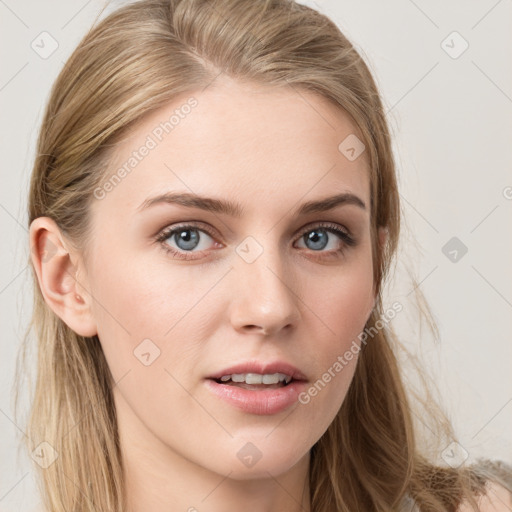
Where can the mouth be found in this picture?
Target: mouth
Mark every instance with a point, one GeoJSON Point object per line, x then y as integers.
{"type": "Point", "coordinates": [261, 391]}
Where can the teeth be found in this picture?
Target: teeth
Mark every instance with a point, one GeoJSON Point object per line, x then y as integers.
{"type": "Point", "coordinates": [270, 379]}
{"type": "Point", "coordinates": [257, 378]}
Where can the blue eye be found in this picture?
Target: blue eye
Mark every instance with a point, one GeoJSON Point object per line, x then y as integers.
{"type": "Point", "coordinates": [319, 237]}
{"type": "Point", "coordinates": [183, 237]}
{"type": "Point", "coordinates": [188, 237]}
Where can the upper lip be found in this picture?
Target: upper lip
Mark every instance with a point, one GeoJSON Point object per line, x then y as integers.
{"type": "Point", "coordinates": [262, 368]}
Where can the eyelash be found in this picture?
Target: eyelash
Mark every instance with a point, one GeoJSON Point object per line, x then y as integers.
{"type": "Point", "coordinates": [166, 233]}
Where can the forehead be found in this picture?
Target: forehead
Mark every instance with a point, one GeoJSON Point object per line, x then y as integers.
{"type": "Point", "coordinates": [260, 144]}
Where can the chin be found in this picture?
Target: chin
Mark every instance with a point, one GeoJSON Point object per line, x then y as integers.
{"type": "Point", "coordinates": [260, 470]}
{"type": "Point", "coordinates": [255, 461]}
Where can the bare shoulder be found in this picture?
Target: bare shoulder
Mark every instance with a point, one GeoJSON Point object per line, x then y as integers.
{"type": "Point", "coordinates": [496, 499]}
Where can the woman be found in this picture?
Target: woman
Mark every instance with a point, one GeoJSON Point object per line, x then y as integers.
{"type": "Point", "coordinates": [213, 212]}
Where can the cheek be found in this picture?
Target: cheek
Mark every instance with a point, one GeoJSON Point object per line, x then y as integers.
{"type": "Point", "coordinates": [343, 302]}
{"type": "Point", "coordinates": [140, 317]}
{"type": "Point", "coordinates": [138, 312]}
{"type": "Point", "coordinates": [342, 306]}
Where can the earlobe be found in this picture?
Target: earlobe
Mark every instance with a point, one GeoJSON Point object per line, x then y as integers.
{"type": "Point", "coordinates": [383, 236]}
{"type": "Point", "coordinates": [57, 277]}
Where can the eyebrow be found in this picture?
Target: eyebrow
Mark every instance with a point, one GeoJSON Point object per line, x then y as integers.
{"type": "Point", "coordinates": [234, 209]}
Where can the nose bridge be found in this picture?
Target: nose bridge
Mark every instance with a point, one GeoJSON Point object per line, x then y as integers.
{"type": "Point", "coordinates": [266, 295]}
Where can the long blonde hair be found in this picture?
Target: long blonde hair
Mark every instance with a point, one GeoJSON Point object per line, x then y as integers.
{"type": "Point", "coordinates": [136, 60]}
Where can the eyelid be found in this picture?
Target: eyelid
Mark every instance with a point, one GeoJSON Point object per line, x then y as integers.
{"type": "Point", "coordinates": [193, 224]}
{"type": "Point", "coordinates": [324, 224]}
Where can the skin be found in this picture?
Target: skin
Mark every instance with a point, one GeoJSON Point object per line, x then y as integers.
{"type": "Point", "coordinates": [496, 499]}
{"type": "Point", "coordinates": [270, 150]}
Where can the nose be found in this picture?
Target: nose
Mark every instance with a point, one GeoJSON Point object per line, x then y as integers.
{"type": "Point", "coordinates": [266, 295]}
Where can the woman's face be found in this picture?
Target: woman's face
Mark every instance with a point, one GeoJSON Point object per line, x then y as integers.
{"type": "Point", "coordinates": [254, 281]}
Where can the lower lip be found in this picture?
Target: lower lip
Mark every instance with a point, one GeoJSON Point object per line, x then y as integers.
{"type": "Point", "coordinates": [264, 401]}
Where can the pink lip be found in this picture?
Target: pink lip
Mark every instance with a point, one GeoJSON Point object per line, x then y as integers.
{"type": "Point", "coordinates": [259, 401]}
{"type": "Point", "coordinates": [265, 401]}
{"type": "Point", "coordinates": [260, 367]}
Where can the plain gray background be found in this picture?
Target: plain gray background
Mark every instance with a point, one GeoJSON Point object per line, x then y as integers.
{"type": "Point", "coordinates": [450, 112]}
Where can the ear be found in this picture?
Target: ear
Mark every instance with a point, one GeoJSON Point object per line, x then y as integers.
{"type": "Point", "coordinates": [383, 234]}
{"type": "Point", "coordinates": [57, 269]}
